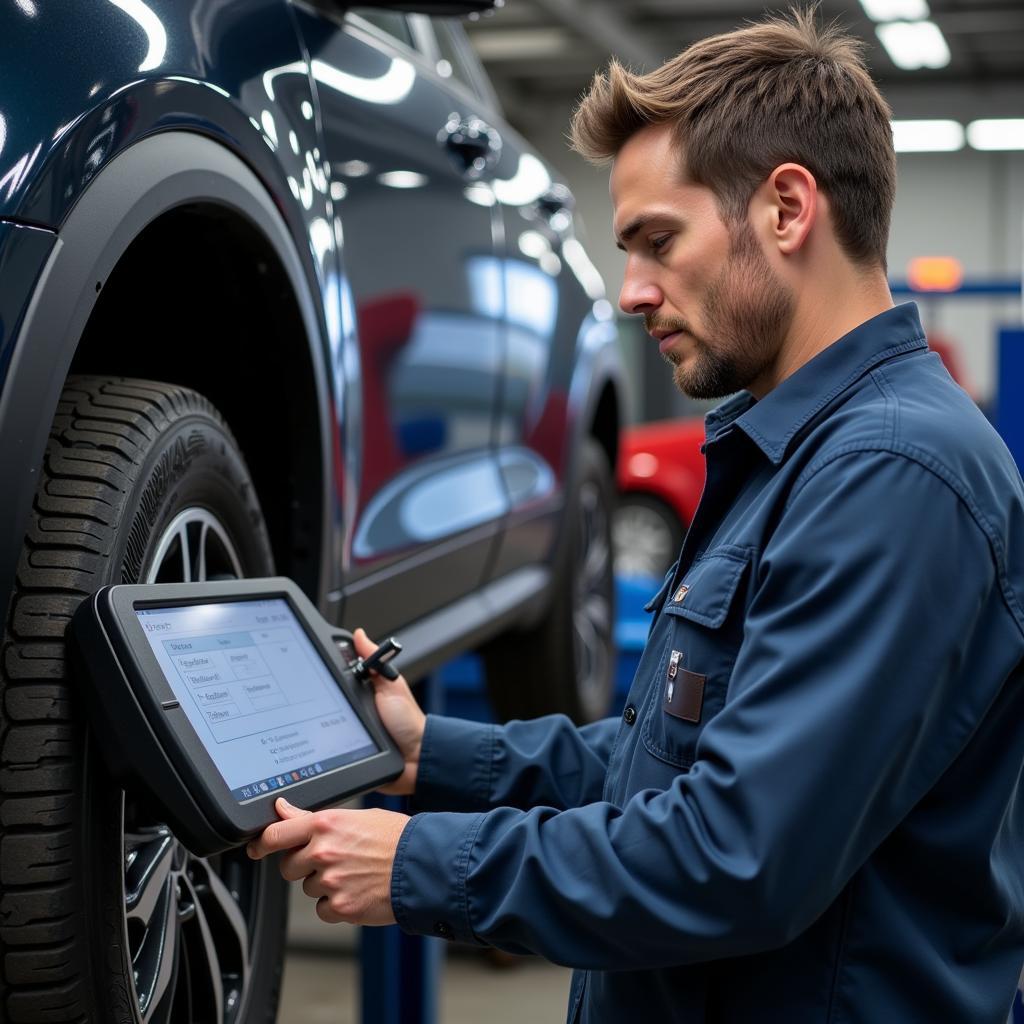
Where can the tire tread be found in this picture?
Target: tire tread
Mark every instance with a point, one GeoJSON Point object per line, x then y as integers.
{"type": "Point", "coordinates": [97, 447]}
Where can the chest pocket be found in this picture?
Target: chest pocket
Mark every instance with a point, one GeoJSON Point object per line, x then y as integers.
{"type": "Point", "coordinates": [701, 637]}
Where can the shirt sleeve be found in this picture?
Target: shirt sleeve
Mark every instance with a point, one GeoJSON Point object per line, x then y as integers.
{"type": "Point", "coordinates": [467, 766]}
{"type": "Point", "coordinates": [855, 687]}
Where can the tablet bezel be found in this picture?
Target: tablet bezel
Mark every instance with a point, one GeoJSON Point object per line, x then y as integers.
{"type": "Point", "coordinates": [230, 818]}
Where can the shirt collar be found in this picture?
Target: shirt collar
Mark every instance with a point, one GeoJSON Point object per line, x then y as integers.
{"type": "Point", "coordinates": [774, 421]}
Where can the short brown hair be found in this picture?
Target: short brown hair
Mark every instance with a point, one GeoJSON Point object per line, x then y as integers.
{"type": "Point", "coordinates": [782, 90]}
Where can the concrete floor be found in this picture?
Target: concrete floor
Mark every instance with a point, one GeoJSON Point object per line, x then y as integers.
{"type": "Point", "coordinates": [321, 978]}
{"type": "Point", "coordinates": [320, 988]}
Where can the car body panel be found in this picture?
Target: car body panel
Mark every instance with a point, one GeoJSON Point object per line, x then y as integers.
{"type": "Point", "coordinates": [462, 480]}
{"type": "Point", "coordinates": [426, 364]}
{"type": "Point", "coordinates": [23, 254]}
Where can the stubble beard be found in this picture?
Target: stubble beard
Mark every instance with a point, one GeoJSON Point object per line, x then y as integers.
{"type": "Point", "coordinates": [748, 311]}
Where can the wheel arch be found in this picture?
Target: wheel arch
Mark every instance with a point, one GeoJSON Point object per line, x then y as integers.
{"type": "Point", "coordinates": [606, 423]}
{"type": "Point", "coordinates": [169, 177]}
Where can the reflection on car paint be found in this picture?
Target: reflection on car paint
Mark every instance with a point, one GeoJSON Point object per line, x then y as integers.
{"type": "Point", "coordinates": [428, 502]}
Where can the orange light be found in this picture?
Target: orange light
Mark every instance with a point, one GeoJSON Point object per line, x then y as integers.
{"type": "Point", "coordinates": [935, 274]}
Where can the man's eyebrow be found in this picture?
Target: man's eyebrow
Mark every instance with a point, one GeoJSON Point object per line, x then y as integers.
{"type": "Point", "coordinates": [635, 225]}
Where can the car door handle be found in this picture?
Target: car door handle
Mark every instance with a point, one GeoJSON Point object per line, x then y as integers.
{"type": "Point", "coordinates": [473, 144]}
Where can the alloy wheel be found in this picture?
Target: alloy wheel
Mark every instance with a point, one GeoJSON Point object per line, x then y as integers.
{"type": "Point", "coordinates": [188, 921]}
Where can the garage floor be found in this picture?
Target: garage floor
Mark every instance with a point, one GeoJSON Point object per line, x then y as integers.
{"type": "Point", "coordinates": [321, 973]}
{"type": "Point", "coordinates": [319, 988]}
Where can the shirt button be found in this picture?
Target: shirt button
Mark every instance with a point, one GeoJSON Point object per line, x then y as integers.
{"type": "Point", "coordinates": [629, 715]}
{"type": "Point", "coordinates": [444, 930]}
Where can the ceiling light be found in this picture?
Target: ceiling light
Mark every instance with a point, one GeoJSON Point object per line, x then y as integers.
{"type": "Point", "coordinates": [927, 136]}
{"type": "Point", "coordinates": [996, 133]}
{"type": "Point", "coordinates": [895, 10]}
{"type": "Point", "coordinates": [914, 44]}
{"type": "Point", "coordinates": [514, 44]}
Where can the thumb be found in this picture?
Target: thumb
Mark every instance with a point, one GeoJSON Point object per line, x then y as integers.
{"type": "Point", "coordinates": [286, 810]}
{"type": "Point", "coordinates": [364, 645]}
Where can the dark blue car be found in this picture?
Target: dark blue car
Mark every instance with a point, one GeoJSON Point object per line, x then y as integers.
{"type": "Point", "coordinates": [279, 291]}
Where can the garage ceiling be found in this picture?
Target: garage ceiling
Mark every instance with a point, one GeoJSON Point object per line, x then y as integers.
{"type": "Point", "coordinates": [542, 53]}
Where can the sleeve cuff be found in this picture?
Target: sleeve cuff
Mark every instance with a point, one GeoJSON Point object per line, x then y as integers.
{"type": "Point", "coordinates": [456, 766]}
{"type": "Point", "coordinates": [428, 878]}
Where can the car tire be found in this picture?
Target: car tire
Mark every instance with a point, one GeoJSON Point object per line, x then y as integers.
{"type": "Point", "coordinates": [566, 663]}
{"type": "Point", "coordinates": [105, 916]}
{"type": "Point", "coordinates": [647, 536]}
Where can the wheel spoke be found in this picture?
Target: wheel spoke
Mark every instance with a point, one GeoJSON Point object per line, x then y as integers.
{"type": "Point", "coordinates": [147, 876]}
{"type": "Point", "coordinates": [155, 965]}
{"type": "Point", "coordinates": [204, 540]}
{"type": "Point", "coordinates": [224, 914]}
{"type": "Point", "coordinates": [595, 567]}
{"type": "Point", "coordinates": [598, 612]}
{"type": "Point", "coordinates": [204, 962]}
{"type": "Point", "coordinates": [186, 554]}
{"type": "Point", "coordinates": [187, 928]}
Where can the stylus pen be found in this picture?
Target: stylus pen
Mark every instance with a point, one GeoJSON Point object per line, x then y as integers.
{"type": "Point", "coordinates": [378, 661]}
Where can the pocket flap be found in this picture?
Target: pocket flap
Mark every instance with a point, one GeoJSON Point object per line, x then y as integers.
{"type": "Point", "coordinates": [665, 583]}
{"type": "Point", "coordinates": [707, 590]}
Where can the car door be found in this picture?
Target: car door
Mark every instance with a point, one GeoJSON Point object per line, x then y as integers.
{"type": "Point", "coordinates": [407, 166]}
{"type": "Point", "coordinates": [553, 296]}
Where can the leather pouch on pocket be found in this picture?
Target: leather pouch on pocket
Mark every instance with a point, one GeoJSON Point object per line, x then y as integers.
{"type": "Point", "coordinates": [700, 648]}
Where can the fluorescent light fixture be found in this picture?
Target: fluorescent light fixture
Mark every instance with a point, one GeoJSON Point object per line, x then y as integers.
{"type": "Point", "coordinates": [516, 44]}
{"type": "Point", "coordinates": [927, 136]}
{"type": "Point", "coordinates": [996, 133]}
{"type": "Point", "coordinates": [914, 44]}
{"type": "Point", "coordinates": [402, 179]}
{"type": "Point", "coordinates": [896, 10]}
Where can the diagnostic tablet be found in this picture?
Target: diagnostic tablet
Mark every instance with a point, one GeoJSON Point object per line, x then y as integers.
{"type": "Point", "coordinates": [218, 697]}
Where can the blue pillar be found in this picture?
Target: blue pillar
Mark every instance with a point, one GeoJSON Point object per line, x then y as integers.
{"type": "Point", "coordinates": [1010, 391]}
{"type": "Point", "coordinates": [400, 974]}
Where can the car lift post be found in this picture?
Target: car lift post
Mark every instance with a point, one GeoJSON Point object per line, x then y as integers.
{"type": "Point", "coordinates": [1009, 409]}
{"type": "Point", "coordinates": [400, 974]}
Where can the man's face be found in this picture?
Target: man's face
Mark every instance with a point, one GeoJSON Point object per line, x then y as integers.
{"type": "Point", "coordinates": [706, 290]}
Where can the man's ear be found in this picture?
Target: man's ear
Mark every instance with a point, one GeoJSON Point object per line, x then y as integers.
{"type": "Point", "coordinates": [791, 195]}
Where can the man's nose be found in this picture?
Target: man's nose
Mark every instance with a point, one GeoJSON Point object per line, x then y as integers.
{"type": "Point", "coordinates": [638, 295]}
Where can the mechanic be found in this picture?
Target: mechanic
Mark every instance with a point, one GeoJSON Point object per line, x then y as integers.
{"type": "Point", "coordinates": [811, 809]}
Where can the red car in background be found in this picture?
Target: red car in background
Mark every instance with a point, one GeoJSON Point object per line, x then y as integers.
{"type": "Point", "coordinates": [661, 476]}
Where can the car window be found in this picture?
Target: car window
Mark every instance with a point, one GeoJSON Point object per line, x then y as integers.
{"type": "Point", "coordinates": [451, 60]}
{"type": "Point", "coordinates": [393, 24]}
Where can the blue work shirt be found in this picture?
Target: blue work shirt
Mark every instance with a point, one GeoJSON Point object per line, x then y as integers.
{"type": "Point", "coordinates": [812, 808]}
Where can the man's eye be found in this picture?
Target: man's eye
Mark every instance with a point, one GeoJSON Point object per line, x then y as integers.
{"type": "Point", "coordinates": [657, 244]}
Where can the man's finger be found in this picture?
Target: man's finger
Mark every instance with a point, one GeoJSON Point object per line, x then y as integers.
{"type": "Point", "coordinates": [282, 835]}
{"type": "Point", "coordinates": [364, 648]}
{"type": "Point", "coordinates": [313, 887]}
{"type": "Point", "coordinates": [364, 645]}
{"type": "Point", "coordinates": [325, 912]}
{"type": "Point", "coordinates": [287, 810]}
{"type": "Point", "coordinates": [296, 864]}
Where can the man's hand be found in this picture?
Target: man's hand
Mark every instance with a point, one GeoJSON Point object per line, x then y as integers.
{"type": "Point", "coordinates": [401, 716]}
{"type": "Point", "coordinates": [345, 857]}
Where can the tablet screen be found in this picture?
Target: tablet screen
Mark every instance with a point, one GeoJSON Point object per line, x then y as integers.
{"type": "Point", "coordinates": [263, 703]}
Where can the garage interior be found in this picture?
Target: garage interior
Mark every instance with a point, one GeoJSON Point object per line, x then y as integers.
{"type": "Point", "coordinates": [960, 140]}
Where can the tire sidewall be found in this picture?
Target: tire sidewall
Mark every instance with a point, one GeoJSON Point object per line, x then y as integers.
{"type": "Point", "coordinates": [194, 463]}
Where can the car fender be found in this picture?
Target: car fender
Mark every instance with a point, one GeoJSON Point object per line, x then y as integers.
{"type": "Point", "coordinates": [141, 183]}
{"type": "Point", "coordinates": [597, 366]}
